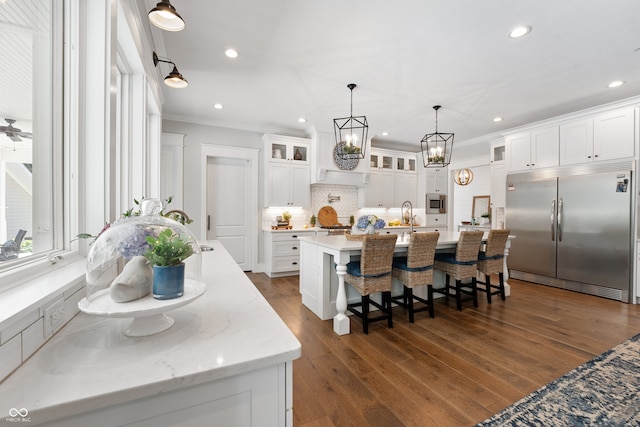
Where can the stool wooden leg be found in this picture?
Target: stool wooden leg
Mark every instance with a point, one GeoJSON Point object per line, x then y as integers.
{"type": "Point", "coordinates": [365, 314]}
{"type": "Point", "coordinates": [430, 296]}
{"type": "Point", "coordinates": [474, 291]}
{"type": "Point", "coordinates": [447, 280]}
{"type": "Point", "coordinates": [408, 292]}
{"type": "Point", "coordinates": [386, 296]}
{"type": "Point", "coordinates": [502, 291]}
{"type": "Point", "coordinates": [459, 295]}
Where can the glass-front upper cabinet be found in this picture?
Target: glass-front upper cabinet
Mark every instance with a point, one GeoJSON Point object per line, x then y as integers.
{"type": "Point", "coordinates": [288, 149]}
{"type": "Point", "coordinates": [406, 163]}
{"type": "Point", "coordinates": [381, 161]}
{"type": "Point", "coordinates": [497, 152]}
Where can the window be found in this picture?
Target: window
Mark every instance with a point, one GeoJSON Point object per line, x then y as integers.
{"type": "Point", "coordinates": [30, 150]}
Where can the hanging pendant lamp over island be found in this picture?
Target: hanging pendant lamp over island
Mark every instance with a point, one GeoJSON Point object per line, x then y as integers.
{"type": "Point", "coordinates": [351, 133]}
{"type": "Point", "coordinates": [436, 147]}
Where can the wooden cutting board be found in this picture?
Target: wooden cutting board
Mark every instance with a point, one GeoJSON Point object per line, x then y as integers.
{"type": "Point", "coordinates": [328, 217]}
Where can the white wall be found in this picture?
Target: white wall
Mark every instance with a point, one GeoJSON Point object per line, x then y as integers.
{"type": "Point", "coordinates": [463, 195]}
{"type": "Point", "coordinates": [194, 136]}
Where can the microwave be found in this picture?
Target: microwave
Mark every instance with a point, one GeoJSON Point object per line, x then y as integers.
{"type": "Point", "coordinates": [436, 203]}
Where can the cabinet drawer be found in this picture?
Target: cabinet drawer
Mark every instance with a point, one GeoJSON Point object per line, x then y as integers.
{"type": "Point", "coordinates": [286, 248]}
{"type": "Point", "coordinates": [436, 220]}
{"type": "Point", "coordinates": [290, 263]}
{"type": "Point", "coordinates": [289, 236]}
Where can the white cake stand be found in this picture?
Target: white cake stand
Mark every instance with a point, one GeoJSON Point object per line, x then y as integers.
{"type": "Point", "coordinates": [148, 313]}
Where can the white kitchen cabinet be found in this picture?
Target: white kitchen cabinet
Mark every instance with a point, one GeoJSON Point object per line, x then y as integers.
{"type": "Point", "coordinates": [393, 179]}
{"type": "Point", "coordinates": [406, 179]}
{"type": "Point", "coordinates": [605, 136]}
{"type": "Point", "coordinates": [282, 252]}
{"type": "Point", "coordinates": [497, 154]}
{"type": "Point", "coordinates": [406, 188]}
{"type": "Point", "coordinates": [287, 170]}
{"type": "Point", "coordinates": [498, 185]}
{"type": "Point", "coordinates": [406, 163]}
{"type": "Point", "coordinates": [438, 221]}
{"type": "Point", "coordinates": [381, 161]}
{"type": "Point", "coordinates": [437, 180]}
{"type": "Point", "coordinates": [576, 142]}
{"type": "Point", "coordinates": [379, 192]}
{"type": "Point", "coordinates": [613, 134]}
{"type": "Point", "coordinates": [537, 149]}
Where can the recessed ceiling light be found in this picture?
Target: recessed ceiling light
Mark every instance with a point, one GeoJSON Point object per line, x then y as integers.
{"type": "Point", "coordinates": [520, 31]}
{"type": "Point", "coordinates": [385, 133]}
{"type": "Point", "coordinates": [497, 119]}
{"type": "Point", "coordinates": [302, 120]}
{"type": "Point", "coordinates": [616, 83]}
{"type": "Point", "coordinates": [218, 106]}
{"type": "Point", "coordinates": [231, 53]}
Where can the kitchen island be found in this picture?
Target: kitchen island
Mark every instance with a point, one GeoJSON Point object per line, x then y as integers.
{"type": "Point", "coordinates": [227, 360]}
{"type": "Point", "coordinates": [323, 265]}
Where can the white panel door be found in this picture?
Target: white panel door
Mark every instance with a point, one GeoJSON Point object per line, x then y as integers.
{"type": "Point", "coordinates": [228, 207]}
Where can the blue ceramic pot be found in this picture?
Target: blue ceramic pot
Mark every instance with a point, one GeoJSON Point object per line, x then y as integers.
{"type": "Point", "coordinates": [168, 281]}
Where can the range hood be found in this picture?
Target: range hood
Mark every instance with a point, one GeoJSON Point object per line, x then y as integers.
{"type": "Point", "coordinates": [338, 177]}
{"type": "Point", "coordinates": [324, 169]}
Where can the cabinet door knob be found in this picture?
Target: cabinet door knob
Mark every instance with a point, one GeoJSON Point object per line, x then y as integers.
{"type": "Point", "coordinates": [295, 248]}
{"type": "Point", "coordinates": [294, 263]}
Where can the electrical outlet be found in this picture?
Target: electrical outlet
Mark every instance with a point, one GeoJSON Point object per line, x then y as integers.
{"type": "Point", "coordinates": [53, 317]}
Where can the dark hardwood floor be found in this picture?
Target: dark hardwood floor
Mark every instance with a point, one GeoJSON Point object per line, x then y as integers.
{"type": "Point", "coordinates": [454, 370]}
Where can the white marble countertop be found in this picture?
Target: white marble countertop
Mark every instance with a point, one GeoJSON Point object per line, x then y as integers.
{"type": "Point", "coordinates": [91, 364]}
{"type": "Point", "coordinates": [299, 229]}
{"type": "Point", "coordinates": [341, 243]}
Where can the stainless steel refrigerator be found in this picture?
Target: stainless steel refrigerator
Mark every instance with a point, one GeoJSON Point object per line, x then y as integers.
{"type": "Point", "coordinates": [573, 228]}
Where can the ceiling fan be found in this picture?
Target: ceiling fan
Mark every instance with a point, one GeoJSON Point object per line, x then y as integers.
{"type": "Point", "coordinates": [14, 133]}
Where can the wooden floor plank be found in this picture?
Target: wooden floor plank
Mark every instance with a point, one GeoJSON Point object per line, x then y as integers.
{"type": "Point", "coordinates": [454, 370]}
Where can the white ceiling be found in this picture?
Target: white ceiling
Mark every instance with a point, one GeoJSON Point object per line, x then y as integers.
{"type": "Point", "coordinates": [296, 58]}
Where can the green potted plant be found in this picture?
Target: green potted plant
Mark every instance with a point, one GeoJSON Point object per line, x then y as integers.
{"type": "Point", "coordinates": [352, 220]}
{"type": "Point", "coordinates": [286, 216]}
{"type": "Point", "coordinates": [312, 220]}
{"type": "Point", "coordinates": [485, 218]}
{"type": "Point", "coordinates": [167, 253]}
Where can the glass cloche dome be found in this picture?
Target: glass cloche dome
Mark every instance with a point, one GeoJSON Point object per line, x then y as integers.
{"type": "Point", "coordinates": [116, 264]}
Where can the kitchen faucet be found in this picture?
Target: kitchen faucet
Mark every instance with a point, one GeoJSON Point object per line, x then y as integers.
{"type": "Point", "coordinates": [410, 212]}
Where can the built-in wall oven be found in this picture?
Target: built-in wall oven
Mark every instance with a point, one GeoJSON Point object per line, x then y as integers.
{"type": "Point", "coordinates": [436, 203]}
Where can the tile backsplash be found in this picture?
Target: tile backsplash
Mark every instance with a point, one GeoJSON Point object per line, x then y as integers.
{"type": "Point", "coordinates": [343, 198]}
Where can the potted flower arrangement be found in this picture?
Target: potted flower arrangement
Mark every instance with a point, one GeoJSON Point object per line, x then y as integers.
{"type": "Point", "coordinates": [167, 253]}
{"type": "Point", "coordinates": [370, 223]}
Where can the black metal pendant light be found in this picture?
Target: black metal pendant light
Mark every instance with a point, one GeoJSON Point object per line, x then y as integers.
{"type": "Point", "coordinates": [351, 133]}
{"type": "Point", "coordinates": [174, 79]}
{"type": "Point", "coordinates": [165, 16]}
{"type": "Point", "coordinates": [436, 147]}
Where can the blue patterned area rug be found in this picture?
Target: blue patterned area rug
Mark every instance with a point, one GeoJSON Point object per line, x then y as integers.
{"type": "Point", "coordinates": [605, 391]}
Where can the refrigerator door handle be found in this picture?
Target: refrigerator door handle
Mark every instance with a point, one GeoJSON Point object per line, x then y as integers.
{"type": "Point", "coordinates": [552, 220]}
{"type": "Point", "coordinates": [560, 220]}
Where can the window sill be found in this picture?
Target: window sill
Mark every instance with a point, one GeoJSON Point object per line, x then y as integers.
{"type": "Point", "coordinates": [36, 293]}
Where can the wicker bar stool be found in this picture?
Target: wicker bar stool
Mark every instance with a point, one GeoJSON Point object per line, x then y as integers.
{"type": "Point", "coordinates": [490, 261]}
{"type": "Point", "coordinates": [461, 265]}
{"type": "Point", "coordinates": [373, 274]}
{"type": "Point", "coordinates": [416, 269]}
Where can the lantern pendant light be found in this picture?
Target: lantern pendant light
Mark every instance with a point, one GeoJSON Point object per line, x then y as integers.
{"type": "Point", "coordinates": [351, 133]}
{"type": "Point", "coordinates": [436, 147]}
